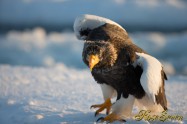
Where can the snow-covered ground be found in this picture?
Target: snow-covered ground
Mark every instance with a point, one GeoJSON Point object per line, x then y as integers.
{"type": "Point", "coordinates": [43, 79]}
{"type": "Point", "coordinates": [61, 95]}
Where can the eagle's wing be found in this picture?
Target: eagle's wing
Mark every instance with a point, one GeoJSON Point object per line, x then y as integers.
{"type": "Point", "coordinates": [152, 78]}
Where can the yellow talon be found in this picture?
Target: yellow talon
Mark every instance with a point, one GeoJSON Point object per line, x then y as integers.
{"type": "Point", "coordinates": [106, 105]}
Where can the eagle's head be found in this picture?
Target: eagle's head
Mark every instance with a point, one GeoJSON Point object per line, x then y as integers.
{"type": "Point", "coordinates": [84, 24]}
{"type": "Point", "coordinates": [99, 54]}
{"type": "Point", "coordinates": [101, 36]}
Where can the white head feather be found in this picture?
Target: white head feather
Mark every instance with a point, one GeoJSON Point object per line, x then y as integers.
{"type": "Point", "coordinates": [91, 22]}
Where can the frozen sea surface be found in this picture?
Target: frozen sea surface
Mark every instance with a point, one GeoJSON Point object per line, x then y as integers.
{"type": "Point", "coordinates": [38, 48]}
{"type": "Point", "coordinates": [166, 15]}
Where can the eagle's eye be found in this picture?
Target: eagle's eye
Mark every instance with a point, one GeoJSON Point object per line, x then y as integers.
{"type": "Point", "coordinates": [139, 63]}
{"type": "Point", "coordinates": [84, 32]}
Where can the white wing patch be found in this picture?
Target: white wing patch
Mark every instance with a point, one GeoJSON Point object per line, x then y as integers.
{"type": "Point", "coordinates": [151, 79]}
{"type": "Point", "coordinates": [86, 21]}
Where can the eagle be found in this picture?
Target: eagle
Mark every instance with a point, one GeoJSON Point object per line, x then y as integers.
{"type": "Point", "coordinates": [121, 68]}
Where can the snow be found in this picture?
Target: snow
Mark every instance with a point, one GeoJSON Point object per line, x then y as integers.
{"type": "Point", "coordinates": [38, 48]}
{"type": "Point", "coordinates": [43, 78]}
{"type": "Point", "coordinates": [55, 87]}
{"type": "Point", "coordinates": [61, 95]}
{"type": "Point", "coordinates": [46, 95]}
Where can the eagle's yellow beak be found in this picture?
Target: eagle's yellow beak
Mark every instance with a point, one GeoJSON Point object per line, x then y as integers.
{"type": "Point", "coordinates": [93, 60]}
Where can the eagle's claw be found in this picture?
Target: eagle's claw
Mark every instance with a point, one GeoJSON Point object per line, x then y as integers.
{"type": "Point", "coordinates": [100, 119]}
{"type": "Point", "coordinates": [96, 113]}
{"type": "Point", "coordinates": [111, 118]}
{"type": "Point", "coordinates": [123, 120]}
{"type": "Point", "coordinates": [106, 105]}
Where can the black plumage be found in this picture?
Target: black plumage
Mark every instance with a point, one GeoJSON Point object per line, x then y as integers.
{"type": "Point", "coordinates": [117, 53]}
{"type": "Point", "coordinates": [121, 67]}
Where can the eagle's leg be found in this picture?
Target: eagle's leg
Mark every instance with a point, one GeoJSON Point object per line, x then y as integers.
{"type": "Point", "coordinates": [108, 93]}
{"type": "Point", "coordinates": [111, 118]}
{"type": "Point", "coordinates": [121, 109]}
{"type": "Point", "coordinates": [106, 105]}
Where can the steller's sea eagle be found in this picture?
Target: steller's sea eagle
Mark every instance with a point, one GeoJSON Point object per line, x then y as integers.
{"type": "Point", "coordinates": [121, 68]}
